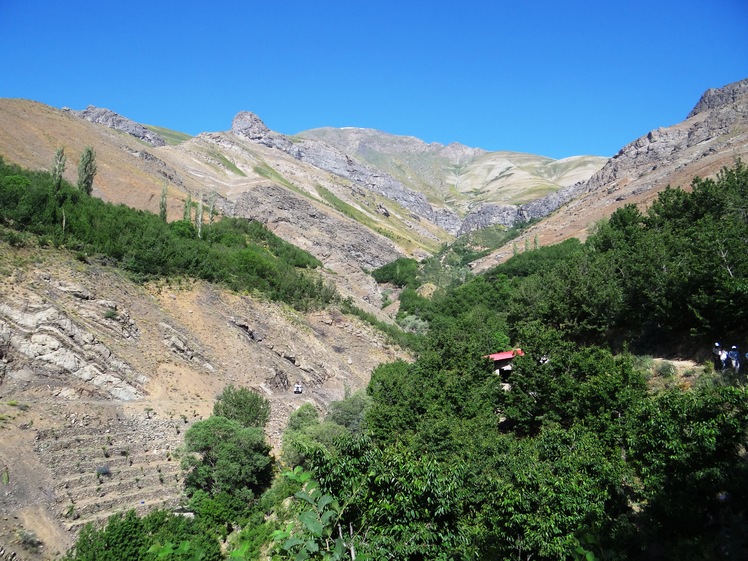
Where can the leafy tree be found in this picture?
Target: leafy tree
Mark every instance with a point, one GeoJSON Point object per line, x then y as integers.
{"type": "Point", "coordinates": [122, 540]}
{"type": "Point", "coordinates": [350, 412]}
{"type": "Point", "coordinates": [225, 457]}
{"type": "Point", "coordinates": [130, 537]}
{"type": "Point", "coordinates": [398, 504]}
{"type": "Point", "coordinates": [305, 416]}
{"type": "Point", "coordinates": [314, 535]}
{"type": "Point", "coordinates": [401, 272]}
{"type": "Point", "coordinates": [306, 435]}
{"type": "Point", "coordinates": [564, 385]}
{"type": "Point", "coordinates": [242, 405]}
{"type": "Point", "coordinates": [87, 170]}
{"type": "Point", "coordinates": [546, 496]}
{"type": "Point", "coordinates": [688, 447]}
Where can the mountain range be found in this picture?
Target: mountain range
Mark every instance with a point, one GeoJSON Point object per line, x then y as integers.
{"type": "Point", "coordinates": [96, 369]}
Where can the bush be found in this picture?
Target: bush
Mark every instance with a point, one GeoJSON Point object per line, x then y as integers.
{"type": "Point", "coordinates": [401, 272]}
{"type": "Point", "coordinates": [243, 405]}
{"type": "Point", "coordinates": [29, 540]}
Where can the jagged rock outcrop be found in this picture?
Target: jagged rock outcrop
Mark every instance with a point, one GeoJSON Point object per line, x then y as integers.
{"type": "Point", "coordinates": [718, 121]}
{"type": "Point", "coordinates": [714, 98]}
{"type": "Point", "coordinates": [115, 121]}
{"type": "Point", "coordinates": [248, 125]}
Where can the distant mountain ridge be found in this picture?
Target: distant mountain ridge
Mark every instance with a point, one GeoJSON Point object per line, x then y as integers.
{"type": "Point", "coordinates": [459, 177]}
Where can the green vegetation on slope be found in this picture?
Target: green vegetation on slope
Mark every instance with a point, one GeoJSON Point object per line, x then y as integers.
{"type": "Point", "coordinates": [171, 137]}
{"type": "Point", "coordinates": [242, 255]}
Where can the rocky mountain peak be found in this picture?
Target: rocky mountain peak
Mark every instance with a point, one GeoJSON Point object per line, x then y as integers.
{"type": "Point", "coordinates": [249, 125]}
{"type": "Point", "coordinates": [113, 120]}
{"type": "Point", "coordinates": [718, 97]}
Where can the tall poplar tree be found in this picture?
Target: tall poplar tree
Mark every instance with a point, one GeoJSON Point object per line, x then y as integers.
{"type": "Point", "coordinates": [58, 167]}
{"type": "Point", "coordinates": [87, 170]}
{"type": "Point", "coordinates": [162, 204]}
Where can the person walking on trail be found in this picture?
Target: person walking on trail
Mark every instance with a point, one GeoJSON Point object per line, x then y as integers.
{"type": "Point", "coordinates": [723, 358]}
{"type": "Point", "coordinates": [734, 357]}
{"type": "Point", "coordinates": [716, 359]}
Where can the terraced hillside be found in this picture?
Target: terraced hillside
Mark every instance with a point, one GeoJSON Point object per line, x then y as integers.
{"type": "Point", "coordinates": [119, 465]}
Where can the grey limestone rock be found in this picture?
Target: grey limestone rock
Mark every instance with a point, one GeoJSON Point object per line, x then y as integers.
{"type": "Point", "coordinates": [717, 97]}
{"type": "Point", "coordinates": [115, 121]}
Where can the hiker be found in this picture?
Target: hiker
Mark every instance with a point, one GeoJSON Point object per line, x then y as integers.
{"type": "Point", "coordinates": [716, 349]}
{"type": "Point", "coordinates": [734, 357]}
{"type": "Point", "coordinates": [723, 358]}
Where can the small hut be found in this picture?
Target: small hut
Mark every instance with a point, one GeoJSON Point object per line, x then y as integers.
{"type": "Point", "coordinates": [502, 362]}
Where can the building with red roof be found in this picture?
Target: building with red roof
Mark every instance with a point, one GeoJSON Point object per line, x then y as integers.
{"type": "Point", "coordinates": [502, 362]}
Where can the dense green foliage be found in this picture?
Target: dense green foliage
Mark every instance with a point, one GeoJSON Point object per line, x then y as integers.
{"type": "Point", "coordinates": [574, 453]}
{"type": "Point", "coordinates": [241, 254]}
{"type": "Point", "coordinates": [401, 272]}
{"type": "Point", "coordinates": [679, 268]}
{"type": "Point", "coordinates": [570, 455]}
{"type": "Point", "coordinates": [449, 266]}
{"type": "Point", "coordinates": [223, 456]}
{"type": "Point", "coordinates": [128, 538]}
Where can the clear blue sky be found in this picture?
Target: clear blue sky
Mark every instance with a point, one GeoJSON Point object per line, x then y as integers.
{"type": "Point", "coordinates": [545, 77]}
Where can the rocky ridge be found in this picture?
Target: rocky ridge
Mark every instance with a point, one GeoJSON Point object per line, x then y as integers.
{"type": "Point", "coordinates": [115, 121]}
{"type": "Point", "coordinates": [323, 156]}
{"type": "Point", "coordinates": [713, 136]}
{"type": "Point", "coordinates": [485, 188]}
